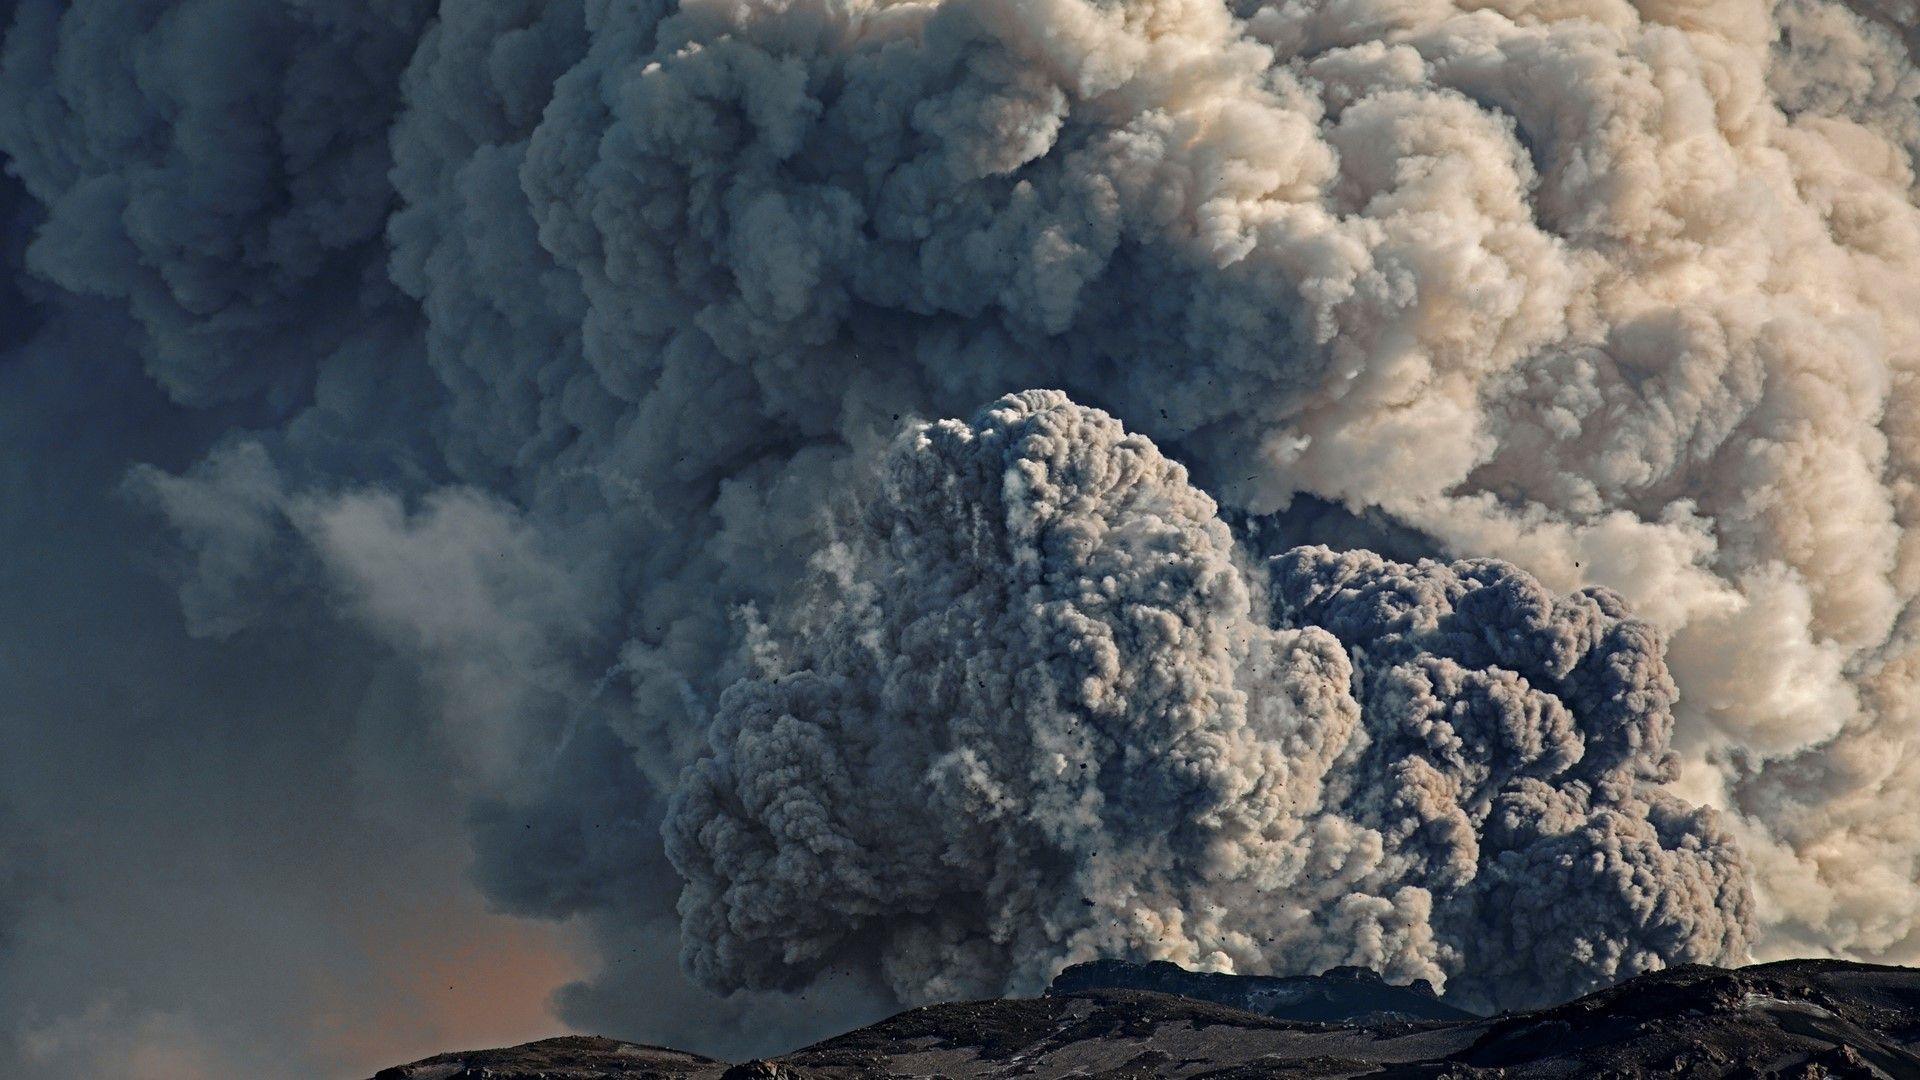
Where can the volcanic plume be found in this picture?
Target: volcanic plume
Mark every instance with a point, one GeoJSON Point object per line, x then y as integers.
{"type": "Point", "coordinates": [1452, 513]}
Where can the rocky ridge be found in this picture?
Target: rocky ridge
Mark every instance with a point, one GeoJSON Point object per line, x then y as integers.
{"type": "Point", "coordinates": [1796, 1019]}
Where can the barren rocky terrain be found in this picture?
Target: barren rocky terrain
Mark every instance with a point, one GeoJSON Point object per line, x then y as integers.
{"type": "Point", "coordinates": [1802, 1018]}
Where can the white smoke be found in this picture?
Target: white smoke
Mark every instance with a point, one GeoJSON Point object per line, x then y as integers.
{"type": "Point", "coordinates": [1623, 293]}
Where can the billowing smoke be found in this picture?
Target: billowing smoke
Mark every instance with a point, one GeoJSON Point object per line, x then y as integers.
{"type": "Point", "coordinates": [1030, 710]}
{"type": "Point", "coordinates": [1024, 713]}
{"type": "Point", "coordinates": [545, 351]}
{"type": "Point", "coordinates": [1514, 747]}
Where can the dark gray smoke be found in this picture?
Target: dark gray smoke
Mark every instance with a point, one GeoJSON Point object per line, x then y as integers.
{"type": "Point", "coordinates": [1029, 711]}
{"type": "Point", "coordinates": [218, 167]}
{"type": "Point", "coordinates": [531, 363]}
{"type": "Point", "coordinates": [1515, 744]}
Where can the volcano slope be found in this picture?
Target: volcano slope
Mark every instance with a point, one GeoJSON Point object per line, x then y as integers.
{"type": "Point", "coordinates": [1798, 1018]}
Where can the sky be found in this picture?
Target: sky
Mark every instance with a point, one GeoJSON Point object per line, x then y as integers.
{"type": "Point", "coordinates": [709, 522]}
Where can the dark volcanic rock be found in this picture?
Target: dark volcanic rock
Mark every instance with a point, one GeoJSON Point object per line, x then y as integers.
{"type": "Point", "coordinates": [570, 1057]}
{"type": "Point", "coordinates": [1798, 1019]}
{"type": "Point", "coordinates": [1346, 995]}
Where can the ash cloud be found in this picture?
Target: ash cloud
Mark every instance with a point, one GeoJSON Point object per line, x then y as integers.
{"type": "Point", "coordinates": [530, 345]}
{"type": "Point", "coordinates": [1517, 744]}
{"type": "Point", "coordinates": [1032, 709]}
